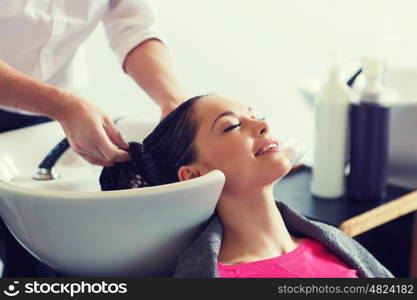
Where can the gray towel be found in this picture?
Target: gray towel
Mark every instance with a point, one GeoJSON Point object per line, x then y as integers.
{"type": "Point", "coordinates": [200, 259]}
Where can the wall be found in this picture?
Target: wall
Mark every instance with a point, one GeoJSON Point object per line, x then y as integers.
{"type": "Point", "coordinates": [259, 52]}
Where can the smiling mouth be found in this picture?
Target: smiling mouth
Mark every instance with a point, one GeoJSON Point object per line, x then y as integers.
{"type": "Point", "coordinates": [270, 147]}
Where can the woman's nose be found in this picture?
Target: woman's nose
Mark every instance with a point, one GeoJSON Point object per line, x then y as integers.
{"type": "Point", "coordinates": [261, 127]}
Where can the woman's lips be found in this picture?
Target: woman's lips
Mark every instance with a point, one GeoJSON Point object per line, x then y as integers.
{"type": "Point", "coordinates": [269, 146]}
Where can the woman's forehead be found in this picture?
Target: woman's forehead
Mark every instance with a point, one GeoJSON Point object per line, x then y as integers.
{"type": "Point", "coordinates": [209, 107]}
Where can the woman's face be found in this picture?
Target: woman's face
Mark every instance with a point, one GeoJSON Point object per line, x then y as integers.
{"type": "Point", "coordinates": [232, 139]}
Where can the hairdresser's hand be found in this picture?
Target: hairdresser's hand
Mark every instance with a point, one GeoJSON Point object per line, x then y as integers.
{"type": "Point", "coordinates": [92, 134]}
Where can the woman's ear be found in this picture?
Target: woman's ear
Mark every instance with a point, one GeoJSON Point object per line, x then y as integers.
{"type": "Point", "coordinates": [188, 172]}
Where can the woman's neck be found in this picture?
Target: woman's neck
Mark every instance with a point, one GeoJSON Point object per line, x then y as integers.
{"type": "Point", "coordinates": [253, 227]}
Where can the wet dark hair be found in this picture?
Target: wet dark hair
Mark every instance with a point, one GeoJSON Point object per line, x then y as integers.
{"type": "Point", "coordinates": [157, 161]}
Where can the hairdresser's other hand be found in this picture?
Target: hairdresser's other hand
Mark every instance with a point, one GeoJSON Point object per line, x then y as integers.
{"type": "Point", "coordinates": [92, 134]}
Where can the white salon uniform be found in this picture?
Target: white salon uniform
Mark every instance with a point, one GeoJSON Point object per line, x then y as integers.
{"type": "Point", "coordinates": [43, 38]}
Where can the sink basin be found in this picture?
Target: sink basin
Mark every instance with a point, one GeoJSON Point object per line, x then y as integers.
{"type": "Point", "coordinates": [22, 150]}
{"type": "Point", "coordinates": [78, 230]}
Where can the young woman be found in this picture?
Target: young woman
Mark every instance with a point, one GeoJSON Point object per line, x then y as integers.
{"type": "Point", "coordinates": [252, 235]}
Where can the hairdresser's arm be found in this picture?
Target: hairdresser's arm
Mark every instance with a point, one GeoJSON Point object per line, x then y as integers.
{"type": "Point", "coordinates": [149, 65]}
{"type": "Point", "coordinates": [90, 132]}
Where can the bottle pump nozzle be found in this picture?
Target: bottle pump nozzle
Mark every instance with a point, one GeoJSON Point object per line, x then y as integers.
{"type": "Point", "coordinates": [372, 70]}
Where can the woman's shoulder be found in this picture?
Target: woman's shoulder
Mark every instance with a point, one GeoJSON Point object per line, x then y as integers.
{"type": "Point", "coordinates": [199, 260]}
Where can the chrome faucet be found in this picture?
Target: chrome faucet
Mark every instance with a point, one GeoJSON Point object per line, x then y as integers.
{"type": "Point", "coordinates": [46, 167]}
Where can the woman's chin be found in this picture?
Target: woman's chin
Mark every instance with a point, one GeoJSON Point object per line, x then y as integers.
{"type": "Point", "coordinates": [274, 175]}
{"type": "Point", "coordinates": [282, 169]}
{"type": "Point", "coordinates": [276, 168]}
{"type": "Point", "coordinates": [281, 175]}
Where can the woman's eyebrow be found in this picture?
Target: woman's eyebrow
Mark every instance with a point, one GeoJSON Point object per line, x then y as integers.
{"type": "Point", "coordinates": [223, 114]}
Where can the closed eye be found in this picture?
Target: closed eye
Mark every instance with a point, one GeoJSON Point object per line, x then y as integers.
{"type": "Point", "coordinates": [232, 127]}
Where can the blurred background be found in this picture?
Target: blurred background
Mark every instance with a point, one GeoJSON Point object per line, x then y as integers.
{"type": "Point", "coordinates": [259, 53]}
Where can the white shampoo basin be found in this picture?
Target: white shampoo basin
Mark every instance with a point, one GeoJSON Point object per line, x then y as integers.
{"type": "Point", "coordinates": [78, 230]}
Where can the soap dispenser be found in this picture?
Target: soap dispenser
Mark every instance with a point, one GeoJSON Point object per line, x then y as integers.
{"type": "Point", "coordinates": [331, 137]}
{"type": "Point", "coordinates": [369, 120]}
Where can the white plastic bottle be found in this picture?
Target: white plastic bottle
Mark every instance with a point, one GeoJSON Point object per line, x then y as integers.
{"type": "Point", "coordinates": [331, 137]}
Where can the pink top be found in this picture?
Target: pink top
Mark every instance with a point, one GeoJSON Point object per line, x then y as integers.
{"type": "Point", "coordinates": [310, 259]}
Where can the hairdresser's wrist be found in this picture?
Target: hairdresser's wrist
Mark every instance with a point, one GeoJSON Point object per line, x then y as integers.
{"type": "Point", "coordinates": [169, 106]}
{"type": "Point", "coordinates": [56, 103]}
{"type": "Point", "coordinates": [65, 104]}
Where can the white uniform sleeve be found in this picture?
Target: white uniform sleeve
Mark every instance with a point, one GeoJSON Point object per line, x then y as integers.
{"type": "Point", "coordinates": [129, 23]}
